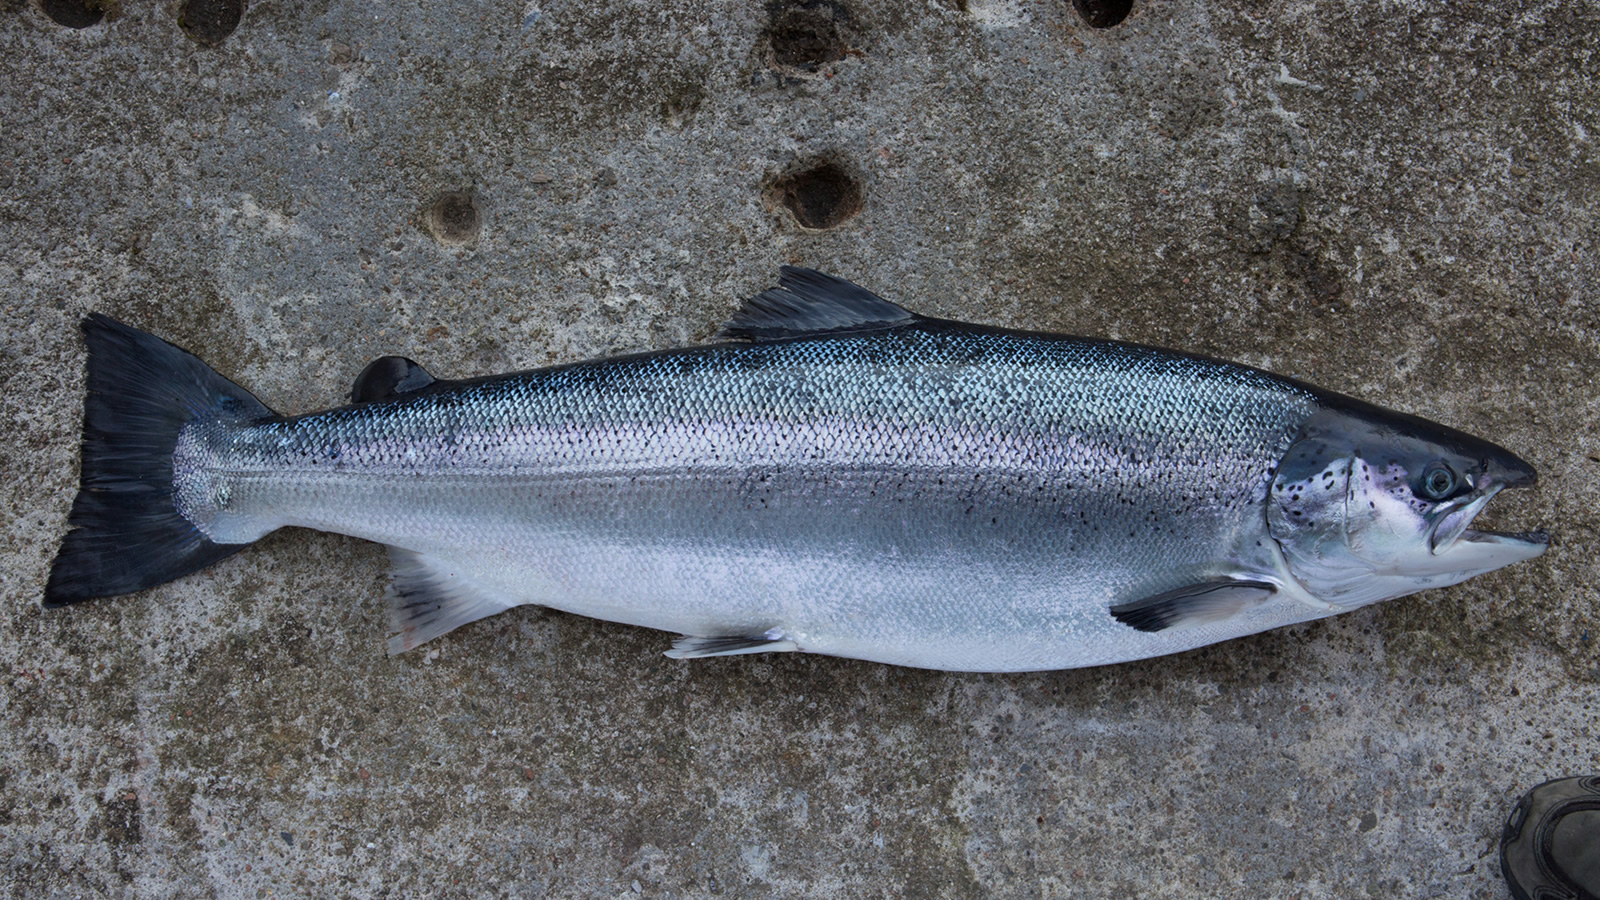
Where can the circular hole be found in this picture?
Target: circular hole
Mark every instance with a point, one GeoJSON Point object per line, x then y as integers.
{"type": "Point", "coordinates": [820, 196]}
{"type": "Point", "coordinates": [210, 21]}
{"type": "Point", "coordinates": [74, 13]}
{"type": "Point", "coordinates": [806, 35]}
{"type": "Point", "coordinates": [454, 219]}
{"type": "Point", "coordinates": [1103, 13]}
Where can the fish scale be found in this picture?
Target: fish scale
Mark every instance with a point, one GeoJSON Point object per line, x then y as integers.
{"type": "Point", "coordinates": [855, 480]}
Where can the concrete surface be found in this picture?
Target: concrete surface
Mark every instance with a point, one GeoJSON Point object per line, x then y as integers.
{"type": "Point", "coordinates": [1395, 199]}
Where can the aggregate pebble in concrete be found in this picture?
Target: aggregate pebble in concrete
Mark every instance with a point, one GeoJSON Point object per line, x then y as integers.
{"type": "Point", "coordinates": [1397, 200]}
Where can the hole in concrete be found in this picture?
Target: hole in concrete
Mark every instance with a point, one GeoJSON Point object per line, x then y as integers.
{"type": "Point", "coordinates": [454, 219]}
{"type": "Point", "coordinates": [1103, 13]}
{"type": "Point", "coordinates": [74, 13]}
{"type": "Point", "coordinates": [820, 194]}
{"type": "Point", "coordinates": [806, 34]}
{"type": "Point", "coordinates": [210, 21]}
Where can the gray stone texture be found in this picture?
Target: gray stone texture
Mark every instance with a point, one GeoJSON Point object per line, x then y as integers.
{"type": "Point", "coordinates": [1392, 199]}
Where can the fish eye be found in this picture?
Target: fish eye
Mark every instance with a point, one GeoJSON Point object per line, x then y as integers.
{"type": "Point", "coordinates": [1438, 481]}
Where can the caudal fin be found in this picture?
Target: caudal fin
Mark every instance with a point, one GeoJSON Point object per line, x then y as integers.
{"type": "Point", "coordinates": [126, 533]}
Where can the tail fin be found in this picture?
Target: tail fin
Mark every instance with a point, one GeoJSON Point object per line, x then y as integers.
{"type": "Point", "coordinates": [126, 533]}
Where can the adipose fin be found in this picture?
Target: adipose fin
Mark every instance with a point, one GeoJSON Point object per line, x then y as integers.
{"type": "Point", "coordinates": [390, 377]}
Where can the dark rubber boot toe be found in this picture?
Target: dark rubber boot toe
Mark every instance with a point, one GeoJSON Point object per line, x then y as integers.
{"type": "Point", "coordinates": [1550, 849]}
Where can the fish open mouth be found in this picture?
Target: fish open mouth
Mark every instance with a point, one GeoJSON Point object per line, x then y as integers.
{"type": "Point", "coordinates": [1540, 539]}
{"type": "Point", "coordinates": [1450, 529]}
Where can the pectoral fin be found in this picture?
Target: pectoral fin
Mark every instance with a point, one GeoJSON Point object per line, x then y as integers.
{"type": "Point", "coordinates": [773, 641]}
{"type": "Point", "coordinates": [1195, 604]}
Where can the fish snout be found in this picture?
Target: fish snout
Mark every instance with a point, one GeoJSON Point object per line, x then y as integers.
{"type": "Point", "coordinates": [1506, 469]}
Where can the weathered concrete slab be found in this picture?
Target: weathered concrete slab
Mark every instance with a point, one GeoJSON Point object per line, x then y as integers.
{"type": "Point", "coordinates": [1397, 200]}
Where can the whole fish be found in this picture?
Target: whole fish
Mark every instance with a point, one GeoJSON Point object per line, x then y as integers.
{"type": "Point", "coordinates": [841, 476]}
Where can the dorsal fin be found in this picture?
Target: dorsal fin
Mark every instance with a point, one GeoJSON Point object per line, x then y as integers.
{"type": "Point", "coordinates": [388, 377]}
{"type": "Point", "coordinates": [807, 302]}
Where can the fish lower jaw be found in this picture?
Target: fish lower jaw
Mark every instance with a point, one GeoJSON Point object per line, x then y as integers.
{"type": "Point", "coordinates": [1514, 545]}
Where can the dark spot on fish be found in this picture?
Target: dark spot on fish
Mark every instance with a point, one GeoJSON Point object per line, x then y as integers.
{"type": "Point", "coordinates": [74, 13]}
{"type": "Point", "coordinates": [454, 219]}
{"type": "Point", "coordinates": [208, 22]}
{"type": "Point", "coordinates": [820, 194]}
{"type": "Point", "coordinates": [1103, 13]}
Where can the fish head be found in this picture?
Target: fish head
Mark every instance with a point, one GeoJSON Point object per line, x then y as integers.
{"type": "Point", "coordinates": [1368, 505]}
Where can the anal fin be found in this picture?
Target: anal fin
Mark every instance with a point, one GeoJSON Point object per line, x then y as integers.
{"type": "Point", "coordinates": [428, 597]}
{"type": "Point", "coordinates": [1201, 603]}
{"type": "Point", "coordinates": [390, 378]}
{"type": "Point", "coordinates": [689, 647]}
